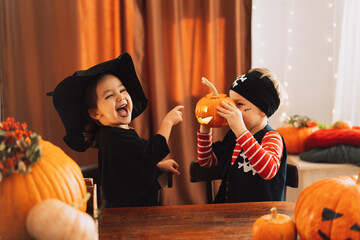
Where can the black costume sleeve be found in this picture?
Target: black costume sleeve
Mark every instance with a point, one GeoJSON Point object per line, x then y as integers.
{"type": "Point", "coordinates": [128, 163]}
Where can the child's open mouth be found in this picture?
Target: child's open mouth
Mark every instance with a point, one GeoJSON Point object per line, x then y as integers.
{"type": "Point", "coordinates": [123, 110]}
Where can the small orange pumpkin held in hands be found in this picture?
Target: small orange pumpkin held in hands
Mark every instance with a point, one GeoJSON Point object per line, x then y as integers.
{"type": "Point", "coordinates": [205, 110]}
{"type": "Point", "coordinates": [329, 209]}
{"type": "Point", "coordinates": [274, 226]}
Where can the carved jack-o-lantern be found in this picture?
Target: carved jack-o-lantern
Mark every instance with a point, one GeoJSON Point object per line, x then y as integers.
{"type": "Point", "coordinates": [329, 209]}
{"type": "Point", "coordinates": [205, 110]}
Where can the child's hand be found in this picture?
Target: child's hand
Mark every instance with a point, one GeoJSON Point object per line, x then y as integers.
{"type": "Point", "coordinates": [169, 165]}
{"type": "Point", "coordinates": [175, 115]}
{"type": "Point", "coordinates": [234, 117]}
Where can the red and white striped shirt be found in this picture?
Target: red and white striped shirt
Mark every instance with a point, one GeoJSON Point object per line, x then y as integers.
{"type": "Point", "coordinates": [264, 158]}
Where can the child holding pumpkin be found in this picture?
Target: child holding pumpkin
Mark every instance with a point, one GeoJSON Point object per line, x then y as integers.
{"type": "Point", "coordinates": [96, 107]}
{"type": "Point", "coordinates": [252, 154]}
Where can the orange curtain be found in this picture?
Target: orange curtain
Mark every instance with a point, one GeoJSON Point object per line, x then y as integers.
{"type": "Point", "coordinates": [187, 40]}
{"type": "Point", "coordinates": [42, 43]}
{"type": "Point", "coordinates": [173, 44]}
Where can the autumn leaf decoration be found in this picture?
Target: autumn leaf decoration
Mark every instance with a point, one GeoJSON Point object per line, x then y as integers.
{"type": "Point", "coordinates": [19, 148]}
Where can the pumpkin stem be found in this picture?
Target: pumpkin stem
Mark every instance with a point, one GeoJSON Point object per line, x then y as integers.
{"type": "Point", "coordinates": [358, 179]}
{"type": "Point", "coordinates": [210, 85]}
{"type": "Point", "coordinates": [81, 201]}
{"type": "Point", "coordinates": [273, 213]}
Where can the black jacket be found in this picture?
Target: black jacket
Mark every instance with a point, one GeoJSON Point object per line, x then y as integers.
{"type": "Point", "coordinates": [127, 166]}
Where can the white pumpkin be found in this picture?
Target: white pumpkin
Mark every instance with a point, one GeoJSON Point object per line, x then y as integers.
{"type": "Point", "coordinates": [54, 219]}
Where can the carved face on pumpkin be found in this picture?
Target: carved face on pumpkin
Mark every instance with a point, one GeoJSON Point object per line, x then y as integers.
{"type": "Point", "coordinates": [206, 112]}
{"type": "Point", "coordinates": [328, 216]}
{"type": "Point", "coordinates": [329, 209]}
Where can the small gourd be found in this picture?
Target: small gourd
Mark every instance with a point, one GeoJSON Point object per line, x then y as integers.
{"type": "Point", "coordinates": [274, 226]}
{"type": "Point", "coordinates": [205, 110]}
{"type": "Point", "coordinates": [341, 124]}
{"type": "Point", "coordinates": [54, 219]}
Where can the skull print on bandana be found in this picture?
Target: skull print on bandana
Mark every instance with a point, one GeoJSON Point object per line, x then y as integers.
{"type": "Point", "coordinates": [245, 164]}
{"type": "Point", "coordinates": [241, 78]}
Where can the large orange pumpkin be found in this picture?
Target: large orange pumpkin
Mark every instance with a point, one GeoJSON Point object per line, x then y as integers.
{"type": "Point", "coordinates": [296, 137]}
{"type": "Point", "coordinates": [205, 110]}
{"type": "Point", "coordinates": [329, 209]}
{"type": "Point", "coordinates": [55, 175]}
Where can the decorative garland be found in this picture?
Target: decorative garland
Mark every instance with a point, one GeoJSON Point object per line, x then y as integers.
{"type": "Point", "coordinates": [300, 121]}
{"type": "Point", "coordinates": [19, 148]}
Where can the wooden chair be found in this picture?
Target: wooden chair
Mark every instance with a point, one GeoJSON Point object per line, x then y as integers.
{"type": "Point", "coordinates": [166, 180]}
{"type": "Point", "coordinates": [207, 175]}
{"type": "Point", "coordinates": [92, 203]}
{"type": "Point", "coordinates": [92, 172]}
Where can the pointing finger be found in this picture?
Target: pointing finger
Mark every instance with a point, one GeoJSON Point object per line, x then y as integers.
{"type": "Point", "coordinates": [179, 107]}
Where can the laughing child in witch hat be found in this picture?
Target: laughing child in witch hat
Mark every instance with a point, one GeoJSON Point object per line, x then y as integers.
{"type": "Point", "coordinates": [96, 107]}
{"type": "Point", "coordinates": [252, 154]}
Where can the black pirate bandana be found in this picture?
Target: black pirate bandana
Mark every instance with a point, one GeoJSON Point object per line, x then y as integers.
{"type": "Point", "coordinates": [259, 91]}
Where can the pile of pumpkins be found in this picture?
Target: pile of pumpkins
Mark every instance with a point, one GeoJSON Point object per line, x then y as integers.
{"type": "Point", "coordinates": [36, 205]}
{"type": "Point", "coordinates": [296, 137]}
{"type": "Point", "coordinates": [327, 209]}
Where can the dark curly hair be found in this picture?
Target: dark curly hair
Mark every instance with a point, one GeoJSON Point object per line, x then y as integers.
{"type": "Point", "coordinates": [91, 130]}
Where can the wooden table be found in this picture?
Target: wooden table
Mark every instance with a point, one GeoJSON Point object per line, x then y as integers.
{"type": "Point", "coordinates": [208, 221]}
